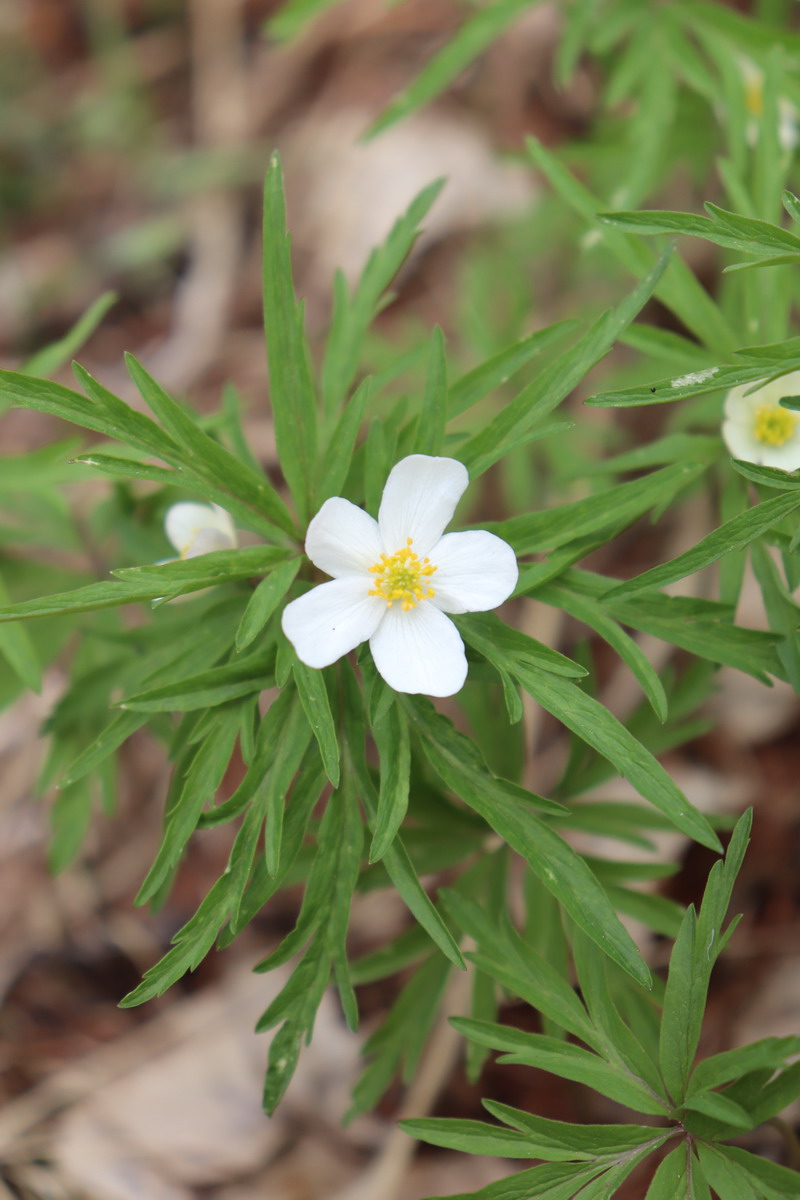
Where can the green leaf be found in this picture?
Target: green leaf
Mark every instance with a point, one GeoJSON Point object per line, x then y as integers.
{"type": "Point", "coordinates": [197, 936]}
{"type": "Point", "coordinates": [516, 965]}
{"type": "Point", "coordinates": [623, 504]}
{"type": "Point", "coordinates": [244, 492]}
{"type": "Point", "coordinates": [555, 863]}
{"type": "Point", "coordinates": [394, 750]}
{"type": "Point", "coordinates": [118, 730]}
{"type": "Point", "coordinates": [219, 566]}
{"type": "Point", "coordinates": [326, 906]}
{"type": "Point", "coordinates": [666, 345]}
{"type": "Point", "coordinates": [398, 864]}
{"type": "Point", "coordinates": [119, 422]}
{"type": "Point", "coordinates": [700, 626]}
{"type": "Point", "coordinates": [476, 1137]}
{"type": "Point", "coordinates": [614, 1037]}
{"type": "Point", "coordinates": [680, 1019]}
{"type": "Point", "coordinates": [351, 841]}
{"type": "Point", "coordinates": [207, 767]}
{"type": "Point", "coordinates": [83, 599]}
{"type": "Point", "coordinates": [18, 649]}
{"type": "Point", "coordinates": [792, 205]}
{"type": "Point", "coordinates": [726, 1178]}
{"type": "Point", "coordinates": [353, 316]}
{"type": "Point", "coordinates": [294, 15]}
{"type": "Point", "coordinates": [483, 379]}
{"type": "Point", "coordinates": [681, 387]}
{"type": "Point", "coordinates": [563, 1059]}
{"type": "Point", "coordinates": [590, 613]}
{"type": "Point", "coordinates": [730, 1064]}
{"type": "Point", "coordinates": [316, 705]}
{"type": "Point", "coordinates": [410, 946]}
{"type": "Point", "coordinates": [292, 394]}
{"type": "Point", "coordinates": [400, 1039]}
{"type": "Point", "coordinates": [69, 821]}
{"type": "Point", "coordinates": [777, 1095]}
{"type": "Point", "coordinates": [679, 289]}
{"type": "Point", "coordinates": [457, 759]}
{"type": "Point", "coordinates": [50, 358]}
{"type": "Point", "coordinates": [151, 583]}
{"type": "Point", "coordinates": [589, 1140]}
{"type": "Point", "coordinates": [672, 448]}
{"type": "Point", "coordinates": [745, 234]}
{"type": "Point", "coordinates": [549, 1181]}
{"type": "Point", "coordinates": [669, 1181]}
{"type": "Point", "coordinates": [433, 413]}
{"type": "Point", "coordinates": [304, 797]}
{"type": "Point", "coordinates": [718, 1106]}
{"type": "Point", "coordinates": [511, 645]}
{"type": "Point", "coordinates": [782, 610]}
{"type": "Point", "coordinates": [596, 726]}
{"type": "Point", "coordinates": [693, 955]}
{"type": "Point", "coordinates": [264, 600]}
{"type": "Point", "coordinates": [617, 819]}
{"type": "Point", "coordinates": [207, 457]}
{"type": "Point", "coordinates": [132, 468]}
{"type": "Point", "coordinates": [731, 536]}
{"type": "Point", "coordinates": [304, 997]}
{"type": "Point", "coordinates": [515, 423]}
{"type": "Point", "coordinates": [768, 476]}
{"type": "Point", "coordinates": [190, 946]}
{"type": "Point", "coordinates": [477, 32]}
{"type": "Point", "coordinates": [339, 454]}
{"type": "Point", "coordinates": [287, 738]}
{"type": "Point", "coordinates": [206, 689]}
{"type": "Point", "coordinates": [769, 1178]}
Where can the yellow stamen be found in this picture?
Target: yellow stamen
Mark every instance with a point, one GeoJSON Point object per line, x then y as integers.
{"type": "Point", "coordinates": [774, 425]}
{"type": "Point", "coordinates": [403, 576]}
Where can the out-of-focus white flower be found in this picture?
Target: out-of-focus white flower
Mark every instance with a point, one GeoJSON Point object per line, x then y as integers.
{"type": "Point", "coordinates": [395, 578]}
{"type": "Point", "coordinates": [758, 430]}
{"type": "Point", "coordinates": [196, 529]}
{"type": "Point", "coordinates": [788, 126]}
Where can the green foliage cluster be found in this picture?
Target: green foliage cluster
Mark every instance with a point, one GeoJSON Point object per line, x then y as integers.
{"type": "Point", "coordinates": [349, 787]}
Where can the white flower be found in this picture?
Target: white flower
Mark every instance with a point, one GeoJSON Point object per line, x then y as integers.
{"type": "Point", "coordinates": [395, 578]}
{"type": "Point", "coordinates": [753, 79]}
{"type": "Point", "coordinates": [758, 430]}
{"type": "Point", "coordinates": [196, 529]}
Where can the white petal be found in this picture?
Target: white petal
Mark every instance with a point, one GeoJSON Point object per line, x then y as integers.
{"type": "Point", "coordinates": [332, 619]}
{"type": "Point", "coordinates": [419, 650]}
{"type": "Point", "coordinates": [419, 500]}
{"type": "Point", "coordinates": [206, 541]}
{"type": "Point", "coordinates": [739, 406]}
{"type": "Point", "coordinates": [738, 428]}
{"type": "Point", "coordinates": [343, 540]}
{"type": "Point", "coordinates": [475, 571]}
{"type": "Point", "coordinates": [186, 520]}
{"type": "Point", "coordinates": [741, 443]}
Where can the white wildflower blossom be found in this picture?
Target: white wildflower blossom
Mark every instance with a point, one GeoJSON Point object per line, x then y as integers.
{"type": "Point", "coordinates": [196, 529]}
{"type": "Point", "coordinates": [395, 578]}
{"type": "Point", "coordinates": [758, 430]}
{"type": "Point", "coordinates": [788, 127]}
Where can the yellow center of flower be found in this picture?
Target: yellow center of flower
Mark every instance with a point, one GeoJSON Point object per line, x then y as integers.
{"type": "Point", "coordinates": [754, 97]}
{"type": "Point", "coordinates": [403, 576]}
{"type": "Point", "coordinates": [774, 425]}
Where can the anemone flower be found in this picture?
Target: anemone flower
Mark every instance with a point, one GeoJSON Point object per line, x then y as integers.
{"type": "Point", "coordinates": [394, 580]}
{"type": "Point", "coordinates": [196, 529]}
{"type": "Point", "coordinates": [758, 430]}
